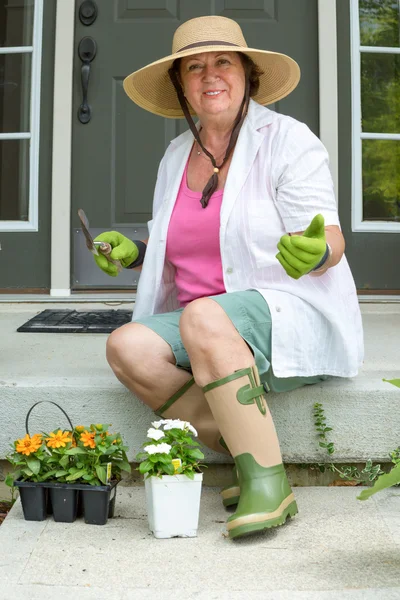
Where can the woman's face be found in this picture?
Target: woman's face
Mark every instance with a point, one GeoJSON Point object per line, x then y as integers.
{"type": "Point", "coordinates": [213, 83]}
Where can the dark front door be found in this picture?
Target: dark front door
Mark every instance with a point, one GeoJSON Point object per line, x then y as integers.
{"type": "Point", "coordinates": [116, 154]}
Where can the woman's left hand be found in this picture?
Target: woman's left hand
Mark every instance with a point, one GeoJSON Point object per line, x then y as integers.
{"type": "Point", "coordinates": [300, 254]}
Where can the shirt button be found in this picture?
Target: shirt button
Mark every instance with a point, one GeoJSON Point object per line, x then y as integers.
{"type": "Point", "coordinates": [278, 309]}
{"type": "Point", "coordinates": [229, 270]}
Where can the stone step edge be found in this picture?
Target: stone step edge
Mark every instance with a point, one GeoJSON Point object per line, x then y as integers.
{"type": "Point", "coordinates": [364, 382]}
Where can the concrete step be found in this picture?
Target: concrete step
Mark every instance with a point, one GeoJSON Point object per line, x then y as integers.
{"type": "Point", "coordinates": [71, 369]}
{"type": "Point", "coordinates": [335, 548]}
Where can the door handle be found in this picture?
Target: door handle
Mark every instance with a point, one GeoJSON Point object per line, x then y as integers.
{"type": "Point", "coordinates": [87, 51]}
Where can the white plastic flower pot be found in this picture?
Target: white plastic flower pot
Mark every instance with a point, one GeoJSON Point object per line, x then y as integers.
{"type": "Point", "coordinates": [173, 505]}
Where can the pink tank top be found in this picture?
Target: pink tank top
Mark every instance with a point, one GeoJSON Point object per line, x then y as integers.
{"type": "Point", "coordinates": [193, 244]}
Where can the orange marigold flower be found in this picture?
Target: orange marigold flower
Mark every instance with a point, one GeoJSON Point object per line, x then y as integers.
{"type": "Point", "coordinates": [28, 445]}
{"type": "Point", "coordinates": [74, 444]}
{"type": "Point", "coordinates": [59, 439]}
{"type": "Point", "coordinates": [87, 438]}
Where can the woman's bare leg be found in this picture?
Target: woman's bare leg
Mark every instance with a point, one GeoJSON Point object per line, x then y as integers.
{"type": "Point", "coordinates": [145, 364]}
{"type": "Point", "coordinates": [216, 350]}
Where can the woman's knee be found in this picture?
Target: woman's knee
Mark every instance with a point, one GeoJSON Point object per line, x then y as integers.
{"type": "Point", "coordinates": [132, 347]}
{"type": "Point", "coordinates": [204, 321]}
{"type": "Point", "coordinates": [119, 342]}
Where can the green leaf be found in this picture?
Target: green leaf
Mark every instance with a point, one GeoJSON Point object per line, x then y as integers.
{"type": "Point", "coordinates": [10, 478]}
{"type": "Point", "coordinates": [140, 456]}
{"type": "Point", "coordinates": [76, 475]}
{"type": "Point", "coordinates": [124, 465]}
{"type": "Point", "coordinates": [61, 473]}
{"type": "Point", "coordinates": [145, 466]}
{"type": "Point", "coordinates": [111, 450]}
{"type": "Point", "coordinates": [101, 474]}
{"type": "Point", "coordinates": [196, 454]}
{"type": "Point", "coordinates": [169, 469]}
{"type": "Point", "coordinates": [64, 462]}
{"type": "Point", "coordinates": [383, 481]}
{"type": "Point", "coordinates": [73, 451]}
{"type": "Point", "coordinates": [395, 382]}
{"type": "Point", "coordinates": [94, 481]}
{"type": "Point", "coordinates": [34, 465]}
{"type": "Point", "coordinates": [48, 474]}
{"type": "Point", "coordinates": [27, 472]}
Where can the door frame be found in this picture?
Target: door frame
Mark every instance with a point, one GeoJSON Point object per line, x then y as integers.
{"type": "Point", "coordinates": [63, 115]}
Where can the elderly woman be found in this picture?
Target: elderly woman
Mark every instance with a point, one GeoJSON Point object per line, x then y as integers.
{"type": "Point", "coordinates": [244, 286]}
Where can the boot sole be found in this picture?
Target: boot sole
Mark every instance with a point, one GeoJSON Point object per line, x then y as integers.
{"type": "Point", "coordinates": [257, 522]}
{"type": "Point", "coordinates": [230, 495]}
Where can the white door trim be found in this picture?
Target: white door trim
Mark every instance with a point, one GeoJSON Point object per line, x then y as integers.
{"type": "Point", "coordinates": [31, 105]}
{"type": "Point", "coordinates": [62, 142]}
{"type": "Point", "coordinates": [62, 127]}
{"type": "Point", "coordinates": [328, 84]}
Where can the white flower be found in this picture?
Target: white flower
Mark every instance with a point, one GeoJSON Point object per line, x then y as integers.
{"type": "Point", "coordinates": [157, 424]}
{"type": "Point", "coordinates": [157, 449]}
{"type": "Point", "coordinates": [191, 428]}
{"type": "Point", "coordinates": [178, 424]}
{"type": "Point", "coordinates": [155, 434]}
{"type": "Point", "coordinates": [174, 424]}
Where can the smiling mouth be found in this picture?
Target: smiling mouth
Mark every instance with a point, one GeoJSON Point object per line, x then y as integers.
{"type": "Point", "coordinates": [213, 94]}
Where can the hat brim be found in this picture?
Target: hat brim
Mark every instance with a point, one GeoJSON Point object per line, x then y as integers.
{"type": "Point", "coordinates": [151, 88]}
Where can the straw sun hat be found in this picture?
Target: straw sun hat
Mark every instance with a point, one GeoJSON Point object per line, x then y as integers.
{"type": "Point", "coordinates": [152, 89]}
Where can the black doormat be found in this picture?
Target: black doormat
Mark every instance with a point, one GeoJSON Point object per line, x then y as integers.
{"type": "Point", "coordinates": [72, 321]}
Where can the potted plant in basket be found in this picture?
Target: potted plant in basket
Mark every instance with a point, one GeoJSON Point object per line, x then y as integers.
{"type": "Point", "coordinates": [63, 471]}
{"type": "Point", "coordinates": [29, 459]}
{"type": "Point", "coordinates": [170, 463]}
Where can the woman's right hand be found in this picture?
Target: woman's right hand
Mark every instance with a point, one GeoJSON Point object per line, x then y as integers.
{"type": "Point", "coordinates": [123, 249]}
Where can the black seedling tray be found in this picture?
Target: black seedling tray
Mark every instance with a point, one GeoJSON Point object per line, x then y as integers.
{"type": "Point", "coordinates": [67, 501]}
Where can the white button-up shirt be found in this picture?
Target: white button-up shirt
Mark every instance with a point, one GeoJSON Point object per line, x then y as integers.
{"type": "Point", "coordinates": [278, 180]}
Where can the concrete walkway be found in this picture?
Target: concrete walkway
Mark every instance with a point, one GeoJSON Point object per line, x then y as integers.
{"type": "Point", "coordinates": [336, 547]}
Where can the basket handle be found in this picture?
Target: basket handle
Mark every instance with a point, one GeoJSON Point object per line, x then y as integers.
{"type": "Point", "coordinates": [40, 402]}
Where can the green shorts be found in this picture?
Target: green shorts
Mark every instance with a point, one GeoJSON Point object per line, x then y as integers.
{"type": "Point", "coordinates": [250, 314]}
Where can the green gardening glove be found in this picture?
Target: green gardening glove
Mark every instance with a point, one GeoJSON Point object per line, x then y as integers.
{"type": "Point", "coordinates": [123, 250]}
{"type": "Point", "coordinates": [299, 254]}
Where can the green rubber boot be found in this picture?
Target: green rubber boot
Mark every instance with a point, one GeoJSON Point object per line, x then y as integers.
{"type": "Point", "coordinates": [266, 498]}
{"type": "Point", "coordinates": [230, 494]}
{"type": "Point", "coordinates": [240, 410]}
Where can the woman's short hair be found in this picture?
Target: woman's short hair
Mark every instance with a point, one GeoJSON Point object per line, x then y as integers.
{"type": "Point", "coordinates": [252, 71]}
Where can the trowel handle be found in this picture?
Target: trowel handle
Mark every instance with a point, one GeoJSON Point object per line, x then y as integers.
{"type": "Point", "coordinates": [106, 249]}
